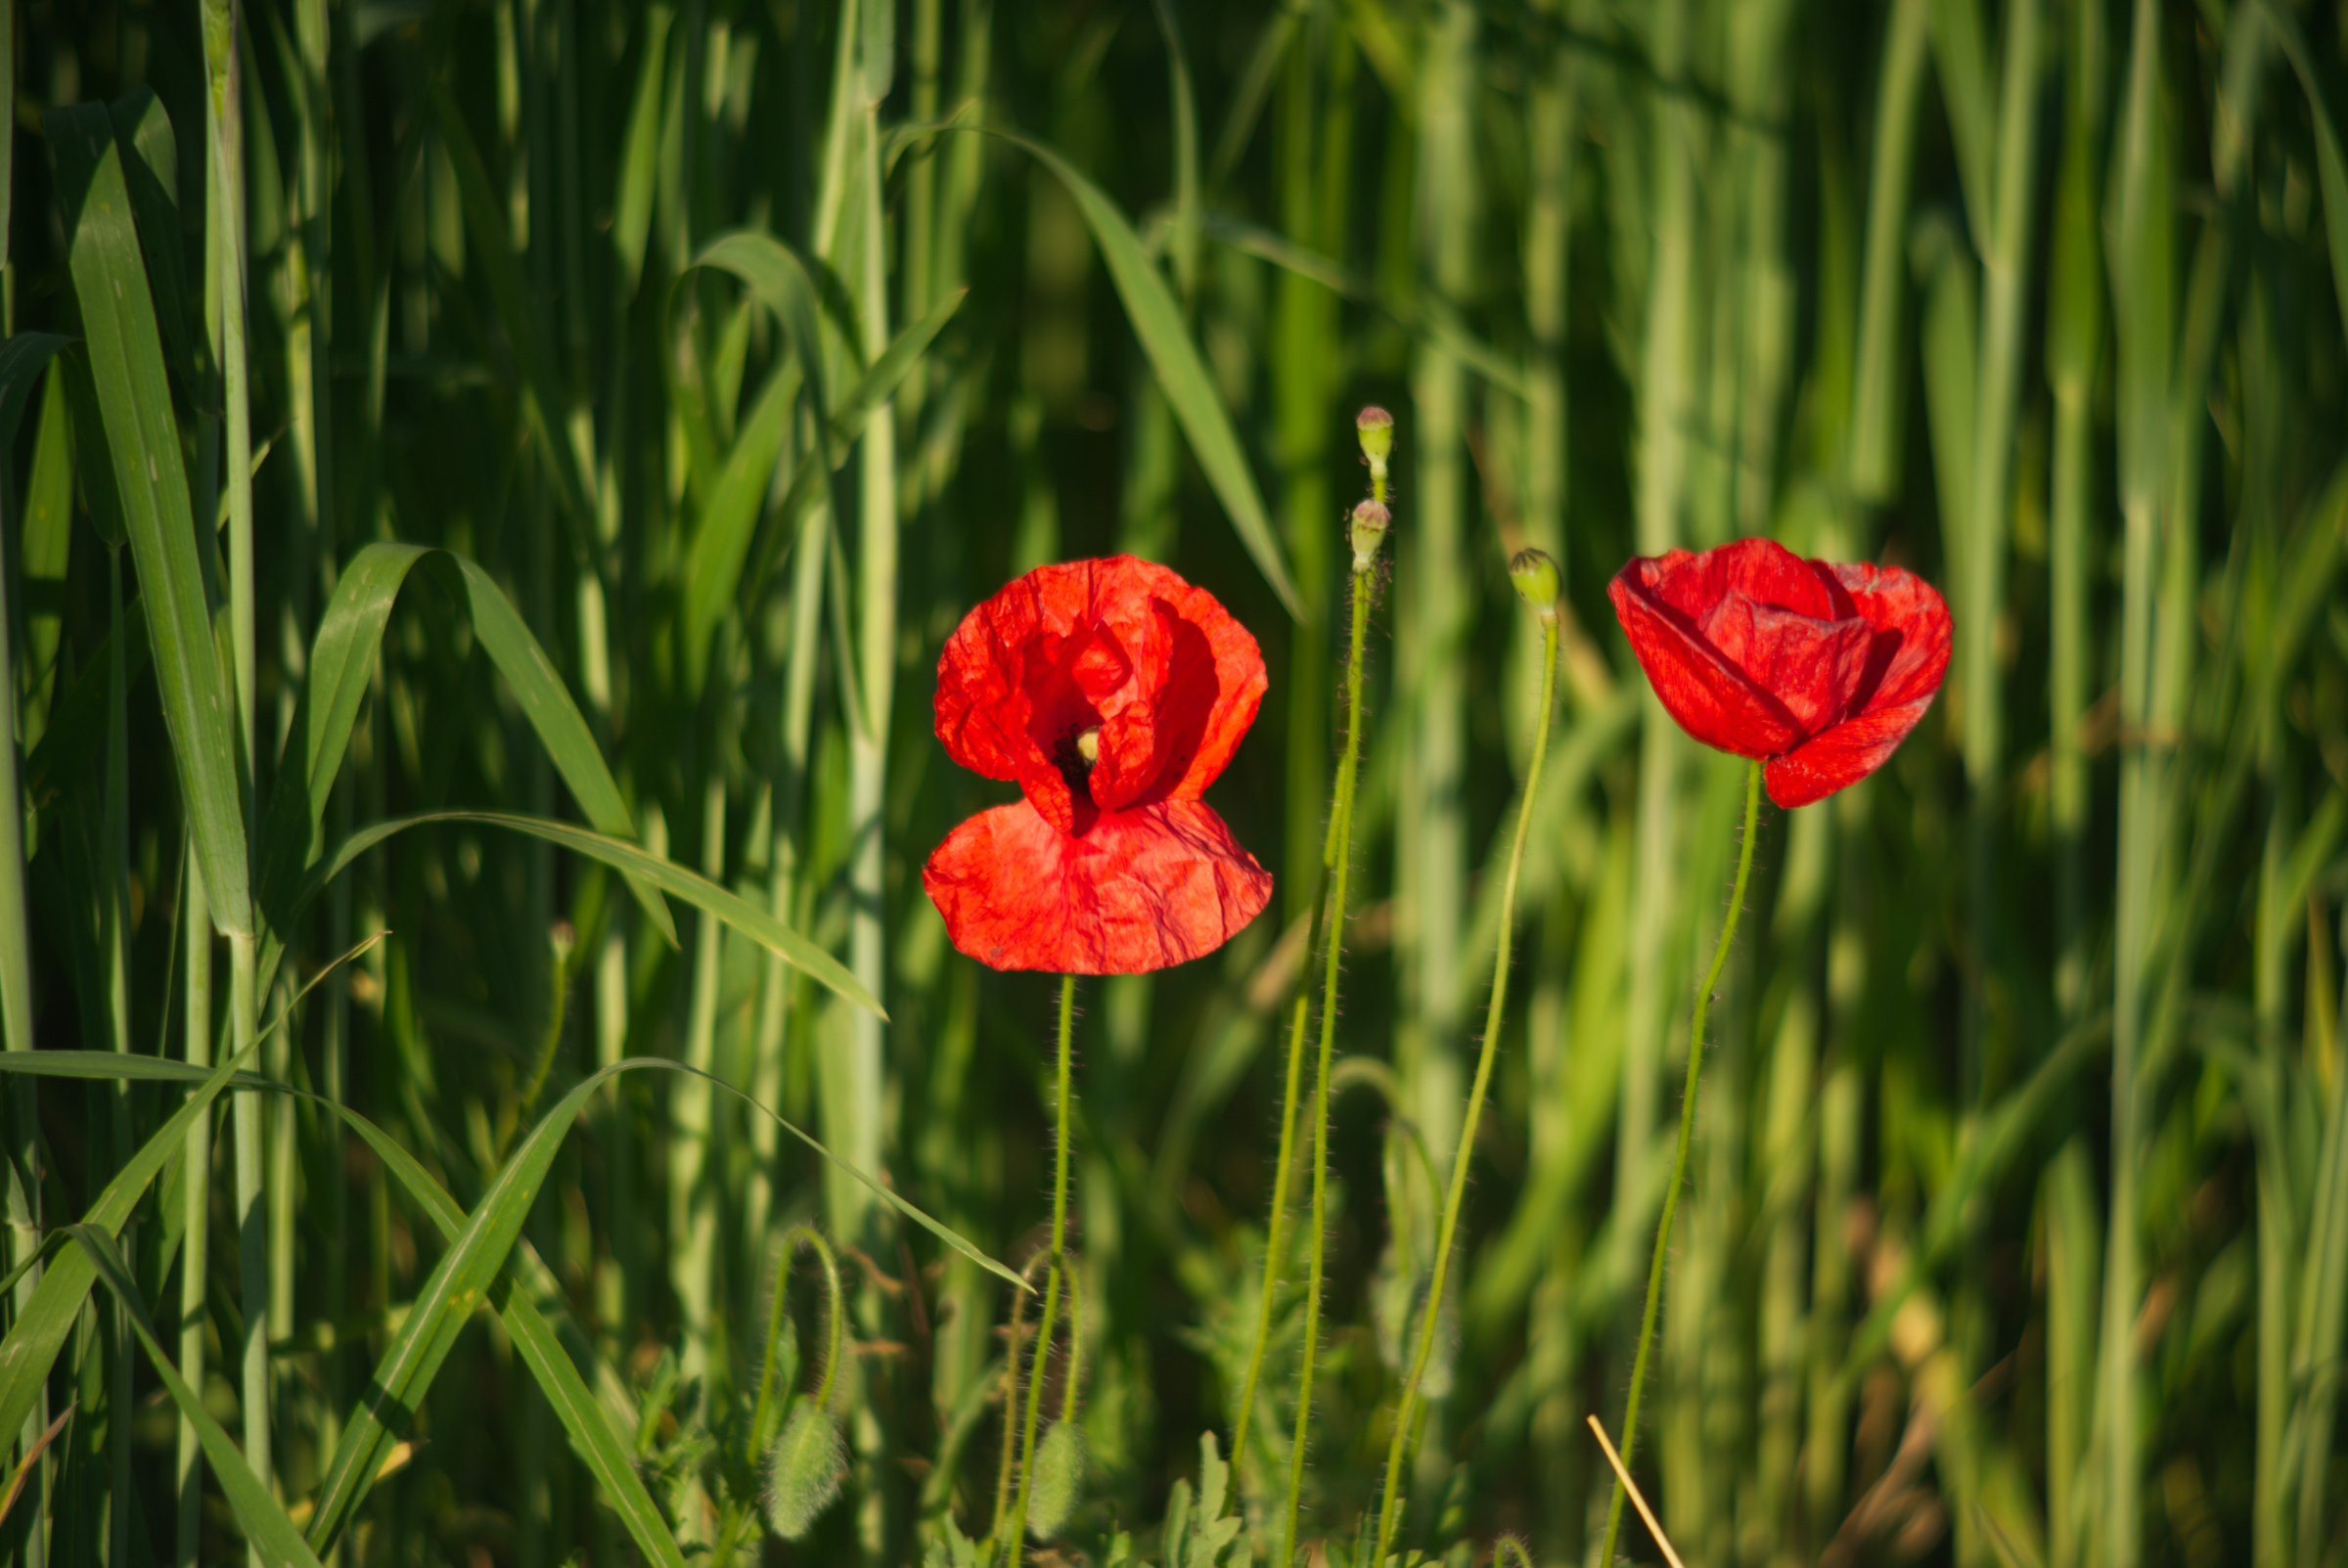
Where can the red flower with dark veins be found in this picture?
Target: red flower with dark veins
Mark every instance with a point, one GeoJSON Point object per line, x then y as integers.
{"type": "Point", "coordinates": [1820, 668]}
{"type": "Point", "coordinates": [1112, 692]}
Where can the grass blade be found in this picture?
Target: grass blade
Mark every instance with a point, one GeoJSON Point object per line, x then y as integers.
{"type": "Point", "coordinates": [341, 660]}
{"type": "Point", "coordinates": [1157, 321]}
{"type": "Point", "coordinates": [265, 1524]}
{"type": "Point", "coordinates": [126, 362]}
{"type": "Point", "coordinates": [39, 1331]}
{"type": "Point", "coordinates": [625, 858]}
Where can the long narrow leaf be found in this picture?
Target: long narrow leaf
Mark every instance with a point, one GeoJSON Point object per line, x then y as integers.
{"type": "Point", "coordinates": [266, 1525]}
{"type": "Point", "coordinates": [746, 918]}
{"type": "Point", "coordinates": [341, 658]}
{"type": "Point", "coordinates": [601, 1446]}
{"type": "Point", "coordinates": [39, 1331]}
{"type": "Point", "coordinates": [1157, 321]}
{"type": "Point", "coordinates": [126, 361]}
{"type": "Point", "coordinates": [469, 1268]}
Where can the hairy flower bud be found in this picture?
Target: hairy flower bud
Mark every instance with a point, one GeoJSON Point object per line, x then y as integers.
{"type": "Point", "coordinates": [1375, 427]}
{"type": "Point", "coordinates": [1535, 574]}
{"type": "Point", "coordinates": [1370, 524]}
{"type": "Point", "coordinates": [1058, 1480]}
{"type": "Point", "coordinates": [803, 1471]}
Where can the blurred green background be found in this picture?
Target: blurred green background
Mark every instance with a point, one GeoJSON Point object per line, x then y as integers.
{"type": "Point", "coordinates": [739, 350]}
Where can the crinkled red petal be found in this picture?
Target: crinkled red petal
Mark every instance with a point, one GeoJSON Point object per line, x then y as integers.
{"type": "Point", "coordinates": [1140, 891]}
{"type": "Point", "coordinates": [1711, 698]}
{"type": "Point", "coordinates": [1842, 755]}
{"type": "Point", "coordinates": [1119, 645]}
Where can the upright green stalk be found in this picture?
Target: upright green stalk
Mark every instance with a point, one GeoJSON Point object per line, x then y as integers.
{"type": "Point", "coordinates": [1875, 401]}
{"type": "Point", "coordinates": [1009, 1543]}
{"type": "Point", "coordinates": [113, 870]}
{"type": "Point", "coordinates": [2006, 308]}
{"type": "Point", "coordinates": [2074, 347]}
{"type": "Point", "coordinates": [1663, 418]}
{"type": "Point", "coordinates": [1679, 1164]}
{"type": "Point", "coordinates": [15, 965]}
{"type": "Point", "coordinates": [221, 25]}
{"type": "Point", "coordinates": [693, 1195]}
{"type": "Point", "coordinates": [2142, 290]}
{"type": "Point", "coordinates": [195, 1247]}
{"type": "Point", "coordinates": [1536, 578]}
{"type": "Point", "coordinates": [1434, 606]}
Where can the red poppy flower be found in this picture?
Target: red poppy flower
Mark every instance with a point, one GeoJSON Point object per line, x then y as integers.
{"type": "Point", "coordinates": [1112, 692]}
{"type": "Point", "coordinates": [1820, 668]}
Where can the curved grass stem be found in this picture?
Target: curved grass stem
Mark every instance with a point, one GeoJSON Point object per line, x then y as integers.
{"type": "Point", "coordinates": [1679, 1164]}
{"type": "Point", "coordinates": [1391, 1506]}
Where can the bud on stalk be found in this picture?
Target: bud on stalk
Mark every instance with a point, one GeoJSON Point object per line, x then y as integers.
{"type": "Point", "coordinates": [1370, 524]}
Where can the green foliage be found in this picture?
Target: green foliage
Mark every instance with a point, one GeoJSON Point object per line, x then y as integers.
{"type": "Point", "coordinates": [561, 437]}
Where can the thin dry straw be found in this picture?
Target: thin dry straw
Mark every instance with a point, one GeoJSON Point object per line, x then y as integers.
{"type": "Point", "coordinates": [1637, 1498]}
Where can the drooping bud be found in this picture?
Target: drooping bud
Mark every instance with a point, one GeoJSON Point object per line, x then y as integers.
{"type": "Point", "coordinates": [803, 1471]}
{"type": "Point", "coordinates": [1058, 1480]}
{"type": "Point", "coordinates": [1535, 574]}
{"type": "Point", "coordinates": [1375, 427]}
{"type": "Point", "coordinates": [1370, 524]}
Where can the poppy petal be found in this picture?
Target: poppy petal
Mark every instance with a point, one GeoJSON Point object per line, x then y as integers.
{"type": "Point", "coordinates": [1156, 670]}
{"type": "Point", "coordinates": [1912, 632]}
{"type": "Point", "coordinates": [1842, 755]}
{"type": "Point", "coordinates": [1711, 698]}
{"type": "Point", "coordinates": [1139, 890]}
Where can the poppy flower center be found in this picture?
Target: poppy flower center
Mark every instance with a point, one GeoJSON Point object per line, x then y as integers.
{"type": "Point", "coordinates": [1075, 755]}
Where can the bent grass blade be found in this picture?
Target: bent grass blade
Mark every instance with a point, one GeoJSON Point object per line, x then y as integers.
{"type": "Point", "coordinates": [265, 1524]}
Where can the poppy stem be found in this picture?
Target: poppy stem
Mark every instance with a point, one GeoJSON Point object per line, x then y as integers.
{"type": "Point", "coordinates": [1389, 1510]}
{"type": "Point", "coordinates": [1679, 1164]}
{"type": "Point", "coordinates": [1276, 1232]}
{"type": "Point", "coordinates": [1337, 858]}
{"type": "Point", "coordinates": [1009, 1542]}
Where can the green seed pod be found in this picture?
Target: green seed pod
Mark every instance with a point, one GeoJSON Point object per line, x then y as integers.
{"type": "Point", "coordinates": [803, 1471]}
{"type": "Point", "coordinates": [1376, 429]}
{"type": "Point", "coordinates": [1535, 575]}
{"type": "Point", "coordinates": [1370, 524]}
{"type": "Point", "coordinates": [1058, 1480]}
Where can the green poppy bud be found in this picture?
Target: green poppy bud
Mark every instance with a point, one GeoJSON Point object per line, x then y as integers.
{"type": "Point", "coordinates": [803, 1471]}
{"type": "Point", "coordinates": [1370, 524]}
{"type": "Point", "coordinates": [1375, 427]}
{"type": "Point", "coordinates": [1535, 575]}
{"type": "Point", "coordinates": [1058, 1480]}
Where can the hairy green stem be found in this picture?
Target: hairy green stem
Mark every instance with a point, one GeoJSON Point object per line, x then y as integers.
{"type": "Point", "coordinates": [1389, 1508]}
{"type": "Point", "coordinates": [1338, 860]}
{"type": "Point", "coordinates": [1008, 1542]}
{"type": "Point", "coordinates": [763, 1413]}
{"type": "Point", "coordinates": [1679, 1163]}
{"type": "Point", "coordinates": [1276, 1232]}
